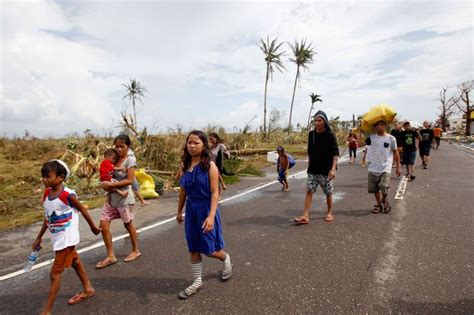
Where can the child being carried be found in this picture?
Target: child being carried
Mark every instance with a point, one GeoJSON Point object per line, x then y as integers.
{"type": "Point", "coordinates": [107, 169]}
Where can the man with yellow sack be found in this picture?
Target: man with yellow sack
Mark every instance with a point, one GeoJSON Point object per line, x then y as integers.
{"type": "Point", "coordinates": [383, 151]}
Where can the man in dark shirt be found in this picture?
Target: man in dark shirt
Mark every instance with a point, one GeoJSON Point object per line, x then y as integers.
{"type": "Point", "coordinates": [323, 154]}
{"type": "Point", "coordinates": [410, 137]}
{"type": "Point", "coordinates": [427, 137]}
{"type": "Point", "coordinates": [397, 133]}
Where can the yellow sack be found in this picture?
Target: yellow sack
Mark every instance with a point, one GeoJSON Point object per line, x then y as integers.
{"type": "Point", "coordinates": [377, 113]}
{"type": "Point", "coordinates": [147, 184]}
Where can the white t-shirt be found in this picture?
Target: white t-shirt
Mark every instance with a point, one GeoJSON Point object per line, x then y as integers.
{"type": "Point", "coordinates": [62, 218]}
{"type": "Point", "coordinates": [381, 153]}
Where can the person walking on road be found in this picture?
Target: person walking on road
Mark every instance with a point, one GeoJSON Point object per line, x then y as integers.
{"type": "Point", "coordinates": [283, 166]}
{"type": "Point", "coordinates": [410, 138]}
{"type": "Point", "coordinates": [427, 141]}
{"type": "Point", "coordinates": [218, 153]}
{"type": "Point", "coordinates": [61, 218]}
{"type": "Point", "coordinates": [437, 133]}
{"type": "Point", "coordinates": [323, 154]}
{"type": "Point", "coordinates": [119, 207]}
{"type": "Point", "coordinates": [199, 189]}
{"type": "Point", "coordinates": [384, 152]}
{"type": "Point", "coordinates": [353, 144]}
{"type": "Point", "coordinates": [397, 132]}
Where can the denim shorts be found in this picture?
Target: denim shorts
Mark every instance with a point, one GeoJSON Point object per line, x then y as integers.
{"type": "Point", "coordinates": [409, 158]}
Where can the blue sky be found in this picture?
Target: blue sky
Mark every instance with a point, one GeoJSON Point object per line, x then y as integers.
{"type": "Point", "coordinates": [63, 63]}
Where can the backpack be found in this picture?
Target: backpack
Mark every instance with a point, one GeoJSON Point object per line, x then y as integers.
{"type": "Point", "coordinates": [291, 161]}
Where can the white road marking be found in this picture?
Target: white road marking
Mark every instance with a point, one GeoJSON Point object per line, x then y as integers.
{"type": "Point", "coordinates": [386, 266]}
{"type": "Point", "coordinates": [402, 186]}
{"type": "Point", "coordinates": [101, 243]}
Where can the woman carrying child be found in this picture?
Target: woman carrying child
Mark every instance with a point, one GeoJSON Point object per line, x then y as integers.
{"type": "Point", "coordinates": [120, 207]}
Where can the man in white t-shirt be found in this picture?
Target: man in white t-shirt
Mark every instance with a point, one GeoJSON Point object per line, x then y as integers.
{"type": "Point", "coordinates": [383, 151]}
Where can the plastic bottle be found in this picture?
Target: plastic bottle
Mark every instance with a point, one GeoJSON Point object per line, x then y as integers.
{"type": "Point", "coordinates": [32, 259]}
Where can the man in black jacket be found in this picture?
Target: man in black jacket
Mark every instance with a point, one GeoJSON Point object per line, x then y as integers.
{"type": "Point", "coordinates": [323, 154]}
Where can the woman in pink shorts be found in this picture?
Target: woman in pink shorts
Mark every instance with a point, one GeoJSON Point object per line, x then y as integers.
{"type": "Point", "coordinates": [120, 207]}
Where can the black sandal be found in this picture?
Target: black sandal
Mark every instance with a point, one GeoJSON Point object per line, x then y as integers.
{"type": "Point", "coordinates": [377, 209]}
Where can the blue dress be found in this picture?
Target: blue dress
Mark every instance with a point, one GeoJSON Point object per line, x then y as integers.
{"type": "Point", "coordinates": [198, 205]}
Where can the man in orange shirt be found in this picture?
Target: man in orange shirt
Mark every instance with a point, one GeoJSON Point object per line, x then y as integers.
{"type": "Point", "coordinates": [438, 132]}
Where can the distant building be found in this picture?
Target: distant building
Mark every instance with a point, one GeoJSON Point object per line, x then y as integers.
{"type": "Point", "coordinates": [458, 123]}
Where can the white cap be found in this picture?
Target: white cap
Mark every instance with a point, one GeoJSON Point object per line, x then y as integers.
{"type": "Point", "coordinates": [68, 172]}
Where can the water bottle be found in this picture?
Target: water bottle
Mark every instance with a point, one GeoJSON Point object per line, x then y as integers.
{"type": "Point", "coordinates": [32, 259]}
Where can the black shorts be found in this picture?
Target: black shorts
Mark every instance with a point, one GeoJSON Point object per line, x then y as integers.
{"type": "Point", "coordinates": [425, 149]}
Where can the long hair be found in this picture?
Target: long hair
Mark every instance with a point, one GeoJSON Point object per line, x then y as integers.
{"type": "Point", "coordinates": [215, 135]}
{"type": "Point", "coordinates": [186, 158]}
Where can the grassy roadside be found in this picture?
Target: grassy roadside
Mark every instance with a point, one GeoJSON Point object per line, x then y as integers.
{"type": "Point", "coordinates": [21, 188]}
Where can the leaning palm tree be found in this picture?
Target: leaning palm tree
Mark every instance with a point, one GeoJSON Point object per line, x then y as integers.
{"type": "Point", "coordinates": [134, 92]}
{"type": "Point", "coordinates": [272, 59]}
{"type": "Point", "coordinates": [303, 53]}
{"type": "Point", "coordinates": [314, 98]}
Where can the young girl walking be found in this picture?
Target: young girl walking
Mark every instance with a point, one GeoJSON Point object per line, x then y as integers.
{"type": "Point", "coordinates": [200, 191]}
{"type": "Point", "coordinates": [61, 211]}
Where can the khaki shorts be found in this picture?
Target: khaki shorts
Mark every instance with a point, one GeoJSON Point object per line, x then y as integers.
{"type": "Point", "coordinates": [378, 182]}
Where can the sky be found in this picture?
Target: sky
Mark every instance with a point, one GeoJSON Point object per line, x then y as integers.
{"type": "Point", "coordinates": [63, 63]}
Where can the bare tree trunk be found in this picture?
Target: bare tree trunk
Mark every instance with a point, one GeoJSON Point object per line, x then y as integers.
{"type": "Point", "coordinates": [309, 115]}
{"type": "Point", "coordinates": [468, 115]}
{"type": "Point", "coordinates": [446, 108]}
{"type": "Point", "coordinates": [128, 124]}
{"type": "Point", "coordinates": [265, 106]}
{"type": "Point", "coordinates": [134, 113]}
{"type": "Point", "coordinates": [293, 98]}
{"type": "Point", "coordinates": [353, 121]}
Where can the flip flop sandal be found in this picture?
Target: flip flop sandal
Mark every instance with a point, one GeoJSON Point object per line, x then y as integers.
{"type": "Point", "coordinates": [104, 263]}
{"type": "Point", "coordinates": [300, 221]}
{"type": "Point", "coordinates": [132, 259]}
{"type": "Point", "coordinates": [376, 209]}
{"type": "Point", "coordinates": [78, 298]}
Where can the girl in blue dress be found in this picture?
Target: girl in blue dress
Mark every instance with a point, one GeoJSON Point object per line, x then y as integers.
{"type": "Point", "coordinates": [200, 191]}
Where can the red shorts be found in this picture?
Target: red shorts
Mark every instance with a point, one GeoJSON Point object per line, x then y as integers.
{"type": "Point", "coordinates": [64, 259]}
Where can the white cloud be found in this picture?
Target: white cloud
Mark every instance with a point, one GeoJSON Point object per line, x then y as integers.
{"type": "Point", "coordinates": [63, 63]}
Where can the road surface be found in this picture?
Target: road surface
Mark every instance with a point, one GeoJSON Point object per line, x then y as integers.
{"type": "Point", "coordinates": [417, 259]}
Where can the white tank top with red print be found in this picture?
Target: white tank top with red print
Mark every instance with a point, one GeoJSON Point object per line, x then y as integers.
{"type": "Point", "coordinates": [62, 219]}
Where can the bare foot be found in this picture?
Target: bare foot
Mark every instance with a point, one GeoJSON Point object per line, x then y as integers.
{"type": "Point", "coordinates": [329, 218]}
{"type": "Point", "coordinates": [145, 203]}
{"type": "Point", "coordinates": [287, 189]}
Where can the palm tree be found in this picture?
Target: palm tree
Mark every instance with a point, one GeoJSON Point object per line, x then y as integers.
{"type": "Point", "coordinates": [314, 98]}
{"type": "Point", "coordinates": [134, 92]}
{"type": "Point", "coordinates": [272, 59]}
{"type": "Point", "coordinates": [303, 53]}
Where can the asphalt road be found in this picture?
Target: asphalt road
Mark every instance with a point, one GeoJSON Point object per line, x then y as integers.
{"type": "Point", "coordinates": [417, 259]}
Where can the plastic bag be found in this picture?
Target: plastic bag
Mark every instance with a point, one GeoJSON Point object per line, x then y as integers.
{"type": "Point", "coordinates": [291, 161]}
{"type": "Point", "coordinates": [377, 113]}
{"type": "Point", "coordinates": [147, 184]}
